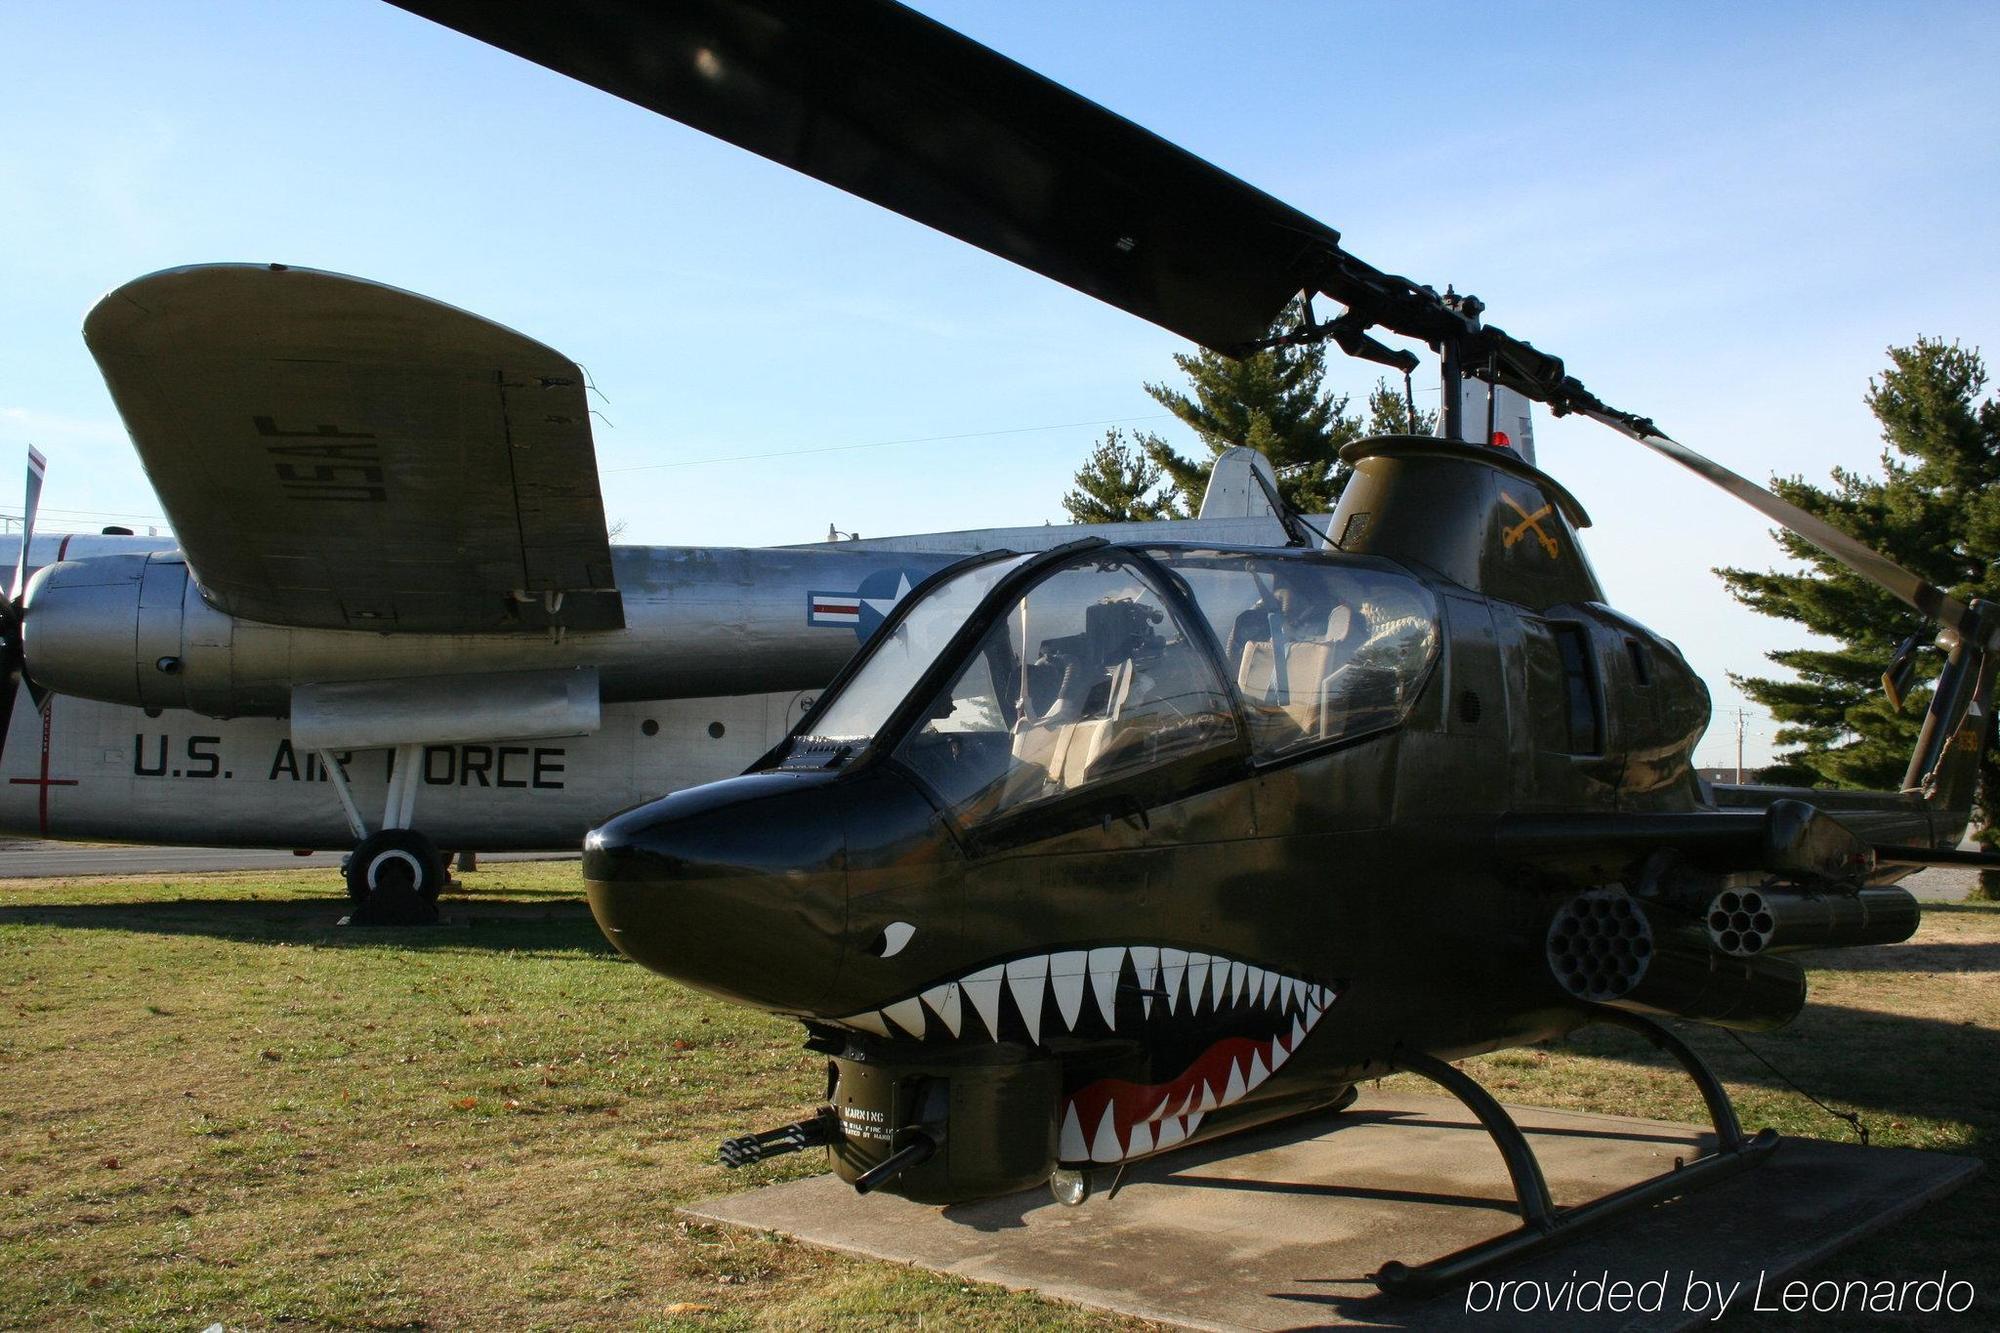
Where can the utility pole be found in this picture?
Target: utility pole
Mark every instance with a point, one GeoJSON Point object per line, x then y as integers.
{"type": "Point", "coordinates": [1741, 722]}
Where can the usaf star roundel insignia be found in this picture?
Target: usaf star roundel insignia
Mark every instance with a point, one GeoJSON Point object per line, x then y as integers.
{"type": "Point", "coordinates": [864, 609]}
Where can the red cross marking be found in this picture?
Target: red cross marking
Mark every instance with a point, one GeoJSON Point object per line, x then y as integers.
{"type": "Point", "coordinates": [44, 781]}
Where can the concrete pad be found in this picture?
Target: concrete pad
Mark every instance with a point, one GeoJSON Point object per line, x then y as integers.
{"type": "Point", "coordinates": [1280, 1228]}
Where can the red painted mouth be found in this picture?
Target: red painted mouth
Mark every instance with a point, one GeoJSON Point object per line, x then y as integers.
{"type": "Point", "coordinates": [1172, 997]}
{"type": "Point", "coordinates": [1114, 1119]}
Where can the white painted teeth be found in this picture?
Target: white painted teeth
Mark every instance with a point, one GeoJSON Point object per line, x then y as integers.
{"type": "Point", "coordinates": [983, 989]}
{"type": "Point", "coordinates": [870, 1022]}
{"type": "Point", "coordinates": [907, 1015]}
{"type": "Point", "coordinates": [1197, 981]}
{"type": "Point", "coordinates": [1144, 1137]}
{"type": "Point", "coordinates": [1105, 967]}
{"type": "Point", "coordinates": [1173, 966]}
{"type": "Point", "coordinates": [1105, 1147]}
{"type": "Point", "coordinates": [1052, 993]}
{"type": "Point", "coordinates": [1066, 977]}
{"type": "Point", "coordinates": [1167, 1124]}
{"type": "Point", "coordinates": [1071, 1147]}
{"type": "Point", "coordinates": [943, 1001]}
{"type": "Point", "coordinates": [1024, 978]}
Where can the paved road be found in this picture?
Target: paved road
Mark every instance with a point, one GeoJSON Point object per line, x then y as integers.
{"type": "Point", "coordinates": [29, 859]}
{"type": "Point", "coordinates": [1946, 884]}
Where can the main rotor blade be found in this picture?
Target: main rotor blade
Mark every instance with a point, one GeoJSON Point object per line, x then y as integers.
{"type": "Point", "coordinates": [37, 467]}
{"type": "Point", "coordinates": [1920, 593]}
{"type": "Point", "coordinates": [879, 101]}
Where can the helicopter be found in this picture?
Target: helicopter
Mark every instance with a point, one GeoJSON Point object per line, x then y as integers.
{"type": "Point", "coordinates": [1096, 852]}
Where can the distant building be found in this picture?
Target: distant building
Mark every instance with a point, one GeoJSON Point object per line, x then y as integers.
{"type": "Point", "coordinates": [1726, 774]}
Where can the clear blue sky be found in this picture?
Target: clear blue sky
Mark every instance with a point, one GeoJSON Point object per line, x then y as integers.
{"type": "Point", "coordinates": [1719, 214]}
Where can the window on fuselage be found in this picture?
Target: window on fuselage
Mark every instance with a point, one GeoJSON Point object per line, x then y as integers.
{"type": "Point", "coordinates": [1586, 726]}
{"type": "Point", "coordinates": [1317, 650]}
{"type": "Point", "coordinates": [1089, 677]}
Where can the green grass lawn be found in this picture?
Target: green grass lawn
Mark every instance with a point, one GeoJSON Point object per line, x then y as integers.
{"type": "Point", "coordinates": [214, 1106]}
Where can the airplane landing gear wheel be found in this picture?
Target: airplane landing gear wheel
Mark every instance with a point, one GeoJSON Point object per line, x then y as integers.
{"type": "Point", "coordinates": [395, 863]}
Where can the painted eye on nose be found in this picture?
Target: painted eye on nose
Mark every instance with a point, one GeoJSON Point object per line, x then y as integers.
{"type": "Point", "coordinates": [892, 939]}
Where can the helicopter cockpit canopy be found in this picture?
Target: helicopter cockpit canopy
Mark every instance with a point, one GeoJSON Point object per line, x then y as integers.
{"type": "Point", "coordinates": [1040, 676]}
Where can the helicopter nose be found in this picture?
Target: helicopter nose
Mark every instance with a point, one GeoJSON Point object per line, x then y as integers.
{"type": "Point", "coordinates": [738, 888]}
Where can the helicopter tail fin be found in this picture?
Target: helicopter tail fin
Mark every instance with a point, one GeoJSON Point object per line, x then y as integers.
{"type": "Point", "coordinates": [1240, 486]}
{"type": "Point", "coordinates": [1944, 769]}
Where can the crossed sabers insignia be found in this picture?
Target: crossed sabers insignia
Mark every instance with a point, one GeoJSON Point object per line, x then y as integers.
{"type": "Point", "coordinates": [1529, 522]}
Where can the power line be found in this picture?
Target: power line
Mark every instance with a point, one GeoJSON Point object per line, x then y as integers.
{"type": "Point", "coordinates": [86, 513]}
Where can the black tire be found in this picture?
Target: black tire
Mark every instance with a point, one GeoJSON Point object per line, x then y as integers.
{"type": "Point", "coordinates": [400, 860]}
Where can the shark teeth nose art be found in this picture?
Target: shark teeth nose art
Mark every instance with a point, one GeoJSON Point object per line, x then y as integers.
{"type": "Point", "coordinates": [1259, 1017]}
{"type": "Point", "coordinates": [1113, 1119]}
{"type": "Point", "coordinates": [1093, 992]}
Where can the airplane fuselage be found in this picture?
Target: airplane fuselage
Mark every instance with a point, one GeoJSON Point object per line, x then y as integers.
{"type": "Point", "coordinates": [169, 721]}
{"type": "Point", "coordinates": [87, 770]}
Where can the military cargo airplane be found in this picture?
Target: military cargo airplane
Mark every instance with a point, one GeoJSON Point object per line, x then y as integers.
{"type": "Point", "coordinates": [391, 580]}
{"type": "Point", "coordinates": [1100, 851]}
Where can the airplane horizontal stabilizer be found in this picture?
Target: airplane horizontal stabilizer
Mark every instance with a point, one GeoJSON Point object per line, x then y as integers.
{"type": "Point", "coordinates": [338, 454]}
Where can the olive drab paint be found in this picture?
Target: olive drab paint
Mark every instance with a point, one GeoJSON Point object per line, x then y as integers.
{"type": "Point", "coordinates": [1254, 892]}
{"type": "Point", "coordinates": [1469, 826]}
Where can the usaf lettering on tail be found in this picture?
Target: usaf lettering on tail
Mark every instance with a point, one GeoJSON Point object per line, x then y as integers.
{"type": "Point", "coordinates": [344, 472]}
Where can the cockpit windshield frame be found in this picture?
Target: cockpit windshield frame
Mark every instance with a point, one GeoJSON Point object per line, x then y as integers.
{"type": "Point", "coordinates": [1121, 795]}
{"type": "Point", "coordinates": [1162, 555]}
{"type": "Point", "coordinates": [1155, 561]}
{"type": "Point", "coordinates": [786, 752]}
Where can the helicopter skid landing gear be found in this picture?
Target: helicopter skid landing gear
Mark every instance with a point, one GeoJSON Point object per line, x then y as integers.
{"type": "Point", "coordinates": [1543, 1224]}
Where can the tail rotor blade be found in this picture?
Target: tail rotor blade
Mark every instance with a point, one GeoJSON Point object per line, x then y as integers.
{"type": "Point", "coordinates": [38, 466]}
{"type": "Point", "coordinates": [1920, 593]}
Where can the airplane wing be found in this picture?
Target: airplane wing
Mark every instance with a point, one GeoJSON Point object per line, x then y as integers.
{"type": "Point", "coordinates": [337, 454]}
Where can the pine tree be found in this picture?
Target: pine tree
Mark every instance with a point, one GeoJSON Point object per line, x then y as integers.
{"type": "Point", "coordinates": [1275, 403]}
{"type": "Point", "coordinates": [1934, 510]}
{"type": "Point", "coordinates": [1389, 413]}
{"type": "Point", "coordinates": [1118, 484]}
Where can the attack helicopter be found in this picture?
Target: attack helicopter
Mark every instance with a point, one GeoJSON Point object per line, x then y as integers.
{"type": "Point", "coordinates": [1099, 851]}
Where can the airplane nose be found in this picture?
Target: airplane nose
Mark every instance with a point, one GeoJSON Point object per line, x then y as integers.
{"type": "Point", "coordinates": [738, 888]}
